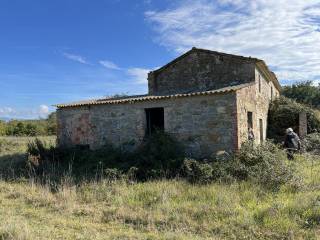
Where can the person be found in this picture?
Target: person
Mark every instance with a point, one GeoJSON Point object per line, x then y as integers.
{"type": "Point", "coordinates": [292, 143]}
{"type": "Point", "coordinates": [250, 134]}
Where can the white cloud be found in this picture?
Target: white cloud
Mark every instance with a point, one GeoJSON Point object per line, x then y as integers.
{"type": "Point", "coordinates": [6, 111]}
{"type": "Point", "coordinates": [316, 83]}
{"type": "Point", "coordinates": [286, 34]}
{"type": "Point", "coordinates": [76, 58]}
{"type": "Point", "coordinates": [41, 112]}
{"type": "Point", "coordinates": [136, 74]}
{"type": "Point", "coordinates": [109, 65]}
{"type": "Point", "coordinates": [139, 75]}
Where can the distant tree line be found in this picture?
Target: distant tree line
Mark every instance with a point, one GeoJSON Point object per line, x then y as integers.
{"type": "Point", "coordinates": [41, 127]}
{"type": "Point", "coordinates": [303, 92]}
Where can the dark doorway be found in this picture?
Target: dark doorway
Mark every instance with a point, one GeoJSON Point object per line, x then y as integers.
{"type": "Point", "coordinates": [250, 120]}
{"type": "Point", "coordinates": [155, 120]}
{"type": "Point", "coordinates": [261, 130]}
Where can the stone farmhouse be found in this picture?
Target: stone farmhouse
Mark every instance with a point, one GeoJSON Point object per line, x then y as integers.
{"type": "Point", "coordinates": [206, 99]}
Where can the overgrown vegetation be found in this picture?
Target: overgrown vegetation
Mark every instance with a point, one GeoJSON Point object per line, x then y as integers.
{"type": "Point", "coordinates": [161, 156]}
{"type": "Point", "coordinates": [13, 155]}
{"type": "Point", "coordinates": [233, 203]}
{"type": "Point", "coordinates": [303, 92]}
{"type": "Point", "coordinates": [284, 113]}
{"type": "Point", "coordinates": [154, 192]}
{"type": "Point", "coordinates": [265, 165]}
{"type": "Point", "coordinates": [311, 143]}
{"type": "Point", "coordinates": [42, 127]}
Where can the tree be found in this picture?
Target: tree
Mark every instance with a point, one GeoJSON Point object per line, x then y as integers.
{"type": "Point", "coordinates": [284, 113]}
{"type": "Point", "coordinates": [2, 128]}
{"type": "Point", "coordinates": [303, 92]}
{"type": "Point", "coordinates": [52, 124]}
{"type": "Point", "coordinates": [19, 129]}
{"type": "Point", "coordinates": [30, 129]}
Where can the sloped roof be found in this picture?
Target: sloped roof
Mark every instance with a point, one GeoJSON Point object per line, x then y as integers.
{"type": "Point", "coordinates": [141, 98]}
{"type": "Point", "coordinates": [261, 65]}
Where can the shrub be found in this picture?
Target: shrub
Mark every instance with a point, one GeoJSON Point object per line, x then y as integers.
{"type": "Point", "coordinates": [40, 127]}
{"type": "Point", "coordinates": [303, 92]}
{"type": "Point", "coordinates": [311, 142]}
{"type": "Point", "coordinates": [44, 162]}
{"type": "Point", "coordinates": [197, 172]}
{"type": "Point", "coordinates": [2, 128]}
{"type": "Point", "coordinates": [37, 148]}
{"type": "Point", "coordinates": [265, 164]}
{"type": "Point", "coordinates": [284, 113]}
{"type": "Point", "coordinates": [312, 217]}
{"type": "Point", "coordinates": [113, 174]}
{"type": "Point", "coordinates": [160, 155]}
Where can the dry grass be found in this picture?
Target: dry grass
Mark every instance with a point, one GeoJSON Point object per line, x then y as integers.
{"type": "Point", "coordinates": [12, 145]}
{"type": "Point", "coordinates": [162, 210]}
{"type": "Point", "coordinates": [13, 151]}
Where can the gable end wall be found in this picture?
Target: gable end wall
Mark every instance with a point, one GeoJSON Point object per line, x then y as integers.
{"type": "Point", "coordinates": [200, 71]}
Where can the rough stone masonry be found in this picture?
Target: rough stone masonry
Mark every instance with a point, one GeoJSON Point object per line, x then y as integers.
{"type": "Point", "coordinates": [206, 99]}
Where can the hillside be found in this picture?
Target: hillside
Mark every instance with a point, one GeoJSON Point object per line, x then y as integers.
{"type": "Point", "coordinates": [162, 209]}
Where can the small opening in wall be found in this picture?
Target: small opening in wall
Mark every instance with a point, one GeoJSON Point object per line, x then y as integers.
{"type": "Point", "coordinates": [155, 120]}
{"type": "Point", "coordinates": [261, 130]}
{"type": "Point", "coordinates": [250, 120]}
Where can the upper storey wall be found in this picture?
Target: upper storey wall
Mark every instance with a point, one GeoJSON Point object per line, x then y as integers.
{"type": "Point", "coordinates": [201, 71]}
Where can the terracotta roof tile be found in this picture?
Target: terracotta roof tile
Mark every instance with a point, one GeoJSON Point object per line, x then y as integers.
{"type": "Point", "coordinates": [140, 98]}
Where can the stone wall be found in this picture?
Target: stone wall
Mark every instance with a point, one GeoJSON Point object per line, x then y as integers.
{"type": "Point", "coordinates": [303, 125]}
{"type": "Point", "coordinates": [205, 124]}
{"type": "Point", "coordinates": [255, 99]}
{"type": "Point", "coordinates": [74, 126]}
{"type": "Point", "coordinates": [200, 71]}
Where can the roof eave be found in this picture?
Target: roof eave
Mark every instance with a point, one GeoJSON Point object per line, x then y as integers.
{"type": "Point", "coordinates": [262, 66]}
{"type": "Point", "coordinates": [151, 98]}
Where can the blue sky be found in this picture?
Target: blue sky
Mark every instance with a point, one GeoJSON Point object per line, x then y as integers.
{"type": "Point", "coordinates": [66, 50]}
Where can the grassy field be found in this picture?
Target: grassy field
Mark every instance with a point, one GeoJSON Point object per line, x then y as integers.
{"type": "Point", "coordinates": [168, 209]}
{"type": "Point", "coordinates": [13, 152]}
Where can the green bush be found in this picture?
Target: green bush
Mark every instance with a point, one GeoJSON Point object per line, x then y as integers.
{"type": "Point", "coordinates": [160, 155]}
{"type": "Point", "coordinates": [264, 164]}
{"type": "Point", "coordinates": [37, 148]}
{"type": "Point", "coordinates": [303, 92]}
{"type": "Point", "coordinates": [312, 217]}
{"type": "Point", "coordinates": [2, 128]}
{"type": "Point", "coordinates": [42, 160]}
{"type": "Point", "coordinates": [311, 142]}
{"type": "Point", "coordinates": [197, 172]}
{"type": "Point", "coordinates": [284, 113]}
{"type": "Point", "coordinates": [113, 174]}
{"type": "Point", "coordinates": [41, 127]}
